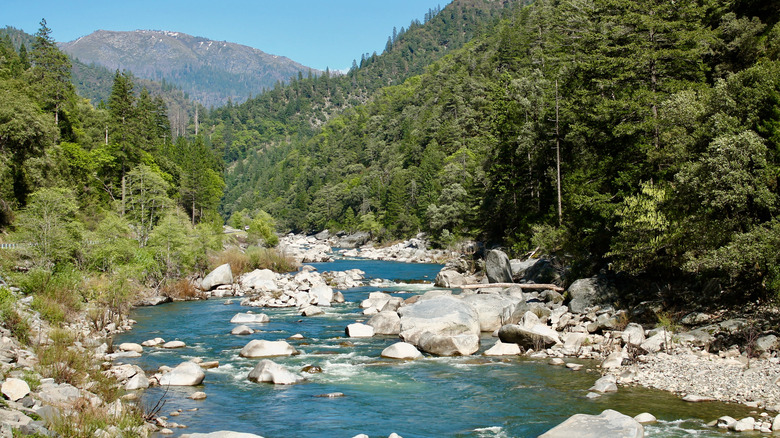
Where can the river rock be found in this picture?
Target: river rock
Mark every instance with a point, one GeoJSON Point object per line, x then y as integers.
{"type": "Point", "coordinates": [725, 422]}
{"type": "Point", "coordinates": [490, 308]}
{"type": "Point", "coordinates": [221, 434]}
{"type": "Point", "coordinates": [607, 424]}
{"type": "Point", "coordinates": [58, 394]}
{"type": "Point", "coordinates": [448, 345]}
{"type": "Point", "coordinates": [131, 346]}
{"type": "Point", "coordinates": [744, 425]}
{"type": "Point", "coordinates": [537, 337]}
{"type": "Point", "coordinates": [605, 384]}
{"type": "Point", "coordinates": [584, 293]}
{"type": "Point", "coordinates": [655, 343]}
{"type": "Point", "coordinates": [267, 371]}
{"type": "Point", "coordinates": [503, 349]}
{"type": "Point", "coordinates": [497, 267]}
{"type": "Point", "coordinates": [322, 295]}
{"type": "Point", "coordinates": [766, 343]}
{"type": "Point", "coordinates": [218, 277]}
{"type": "Point", "coordinates": [241, 330]}
{"type": "Point", "coordinates": [645, 418]}
{"type": "Point", "coordinates": [250, 318]}
{"type": "Point", "coordinates": [444, 315]}
{"type": "Point", "coordinates": [386, 322]}
{"type": "Point", "coordinates": [633, 334]}
{"type": "Point", "coordinates": [198, 395]}
{"type": "Point", "coordinates": [15, 389]}
{"type": "Point", "coordinates": [185, 374]}
{"type": "Point", "coordinates": [259, 279]}
{"type": "Point", "coordinates": [614, 360]}
{"type": "Point", "coordinates": [401, 350]}
{"type": "Point", "coordinates": [138, 381]}
{"type": "Point", "coordinates": [358, 330]}
{"type": "Point", "coordinates": [153, 342]}
{"type": "Point", "coordinates": [447, 278]}
{"type": "Point", "coordinates": [696, 398]}
{"type": "Point", "coordinates": [174, 344]}
{"type": "Point", "coordinates": [312, 311]}
{"type": "Point", "coordinates": [263, 348]}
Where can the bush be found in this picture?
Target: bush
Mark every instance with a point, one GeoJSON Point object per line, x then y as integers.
{"type": "Point", "coordinates": [57, 295]}
{"type": "Point", "coordinates": [182, 290]}
{"type": "Point", "coordinates": [254, 258]}
{"type": "Point", "coordinates": [10, 317]}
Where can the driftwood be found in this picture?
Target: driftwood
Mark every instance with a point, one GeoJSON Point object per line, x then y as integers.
{"type": "Point", "coordinates": [521, 285]}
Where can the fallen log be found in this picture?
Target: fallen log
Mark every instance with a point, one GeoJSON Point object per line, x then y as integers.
{"type": "Point", "coordinates": [521, 285]}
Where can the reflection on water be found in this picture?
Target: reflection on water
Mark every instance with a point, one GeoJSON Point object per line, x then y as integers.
{"type": "Point", "coordinates": [462, 397]}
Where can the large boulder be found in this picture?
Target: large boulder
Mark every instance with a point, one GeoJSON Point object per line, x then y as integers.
{"type": "Point", "coordinates": [358, 330]}
{"type": "Point", "coordinates": [263, 348]}
{"type": "Point", "coordinates": [386, 322]}
{"type": "Point", "coordinates": [271, 372]}
{"type": "Point", "coordinates": [449, 345]}
{"type": "Point", "coordinates": [607, 424]}
{"type": "Point", "coordinates": [537, 337]}
{"type": "Point", "coordinates": [322, 294]}
{"type": "Point", "coordinates": [444, 315]}
{"type": "Point", "coordinates": [401, 350]}
{"type": "Point", "coordinates": [586, 292]}
{"type": "Point", "coordinates": [250, 318]}
{"type": "Point", "coordinates": [448, 278]}
{"type": "Point", "coordinates": [138, 381]}
{"type": "Point", "coordinates": [490, 308]}
{"type": "Point", "coordinates": [502, 349]}
{"type": "Point", "coordinates": [260, 279]}
{"type": "Point", "coordinates": [497, 267]}
{"type": "Point", "coordinates": [185, 374]}
{"type": "Point", "coordinates": [218, 277]}
{"type": "Point", "coordinates": [633, 334]}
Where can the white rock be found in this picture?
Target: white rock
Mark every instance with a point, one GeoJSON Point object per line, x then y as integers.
{"type": "Point", "coordinates": [557, 361]}
{"type": "Point", "coordinates": [358, 330]}
{"type": "Point", "coordinates": [503, 349]}
{"type": "Point", "coordinates": [607, 424]}
{"type": "Point", "coordinates": [200, 395]}
{"type": "Point", "coordinates": [401, 350]}
{"type": "Point", "coordinates": [271, 372]}
{"type": "Point", "coordinates": [241, 330]}
{"type": "Point", "coordinates": [744, 425]}
{"type": "Point", "coordinates": [174, 344]}
{"type": "Point", "coordinates": [645, 418]}
{"type": "Point", "coordinates": [726, 422]}
{"type": "Point", "coordinates": [131, 346]}
{"type": "Point", "coordinates": [138, 381]}
{"type": "Point", "coordinates": [312, 311]}
{"type": "Point", "coordinates": [249, 318]}
{"type": "Point", "coordinates": [604, 385]}
{"type": "Point", "coordinates": [15, 389]}
{"type": "Point", "coordinates": [217, 277]}
{"type": "Point", "coordinates": [263, 348]}
{"type": "Point", "coordinates": [153, 342]}
{"type": "Point", "coordinates": [185, 374]}
{"type": "Point", "coordinates": [614, 360]}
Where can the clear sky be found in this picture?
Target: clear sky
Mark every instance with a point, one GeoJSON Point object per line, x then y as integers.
{"type": "Point", "coordinates": [316, 33]}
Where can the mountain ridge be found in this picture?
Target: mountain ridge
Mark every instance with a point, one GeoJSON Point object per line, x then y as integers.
{"type": "Point", "coordinates": [211, 72]}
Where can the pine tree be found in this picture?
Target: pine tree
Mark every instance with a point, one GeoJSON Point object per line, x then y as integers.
{"type": "Point", "coordinates": [51, 71]}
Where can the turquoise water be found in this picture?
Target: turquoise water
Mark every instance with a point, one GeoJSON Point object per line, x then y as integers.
{"type": "Point", "coordinates": [434, 397]}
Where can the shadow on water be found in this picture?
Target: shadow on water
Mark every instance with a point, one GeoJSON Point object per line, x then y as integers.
{"type": "Point", "coordinates": [462, 397]}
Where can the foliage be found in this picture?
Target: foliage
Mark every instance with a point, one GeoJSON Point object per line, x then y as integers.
{"type": "Point", "coordinates": [261, 230]}
{"type": "Point", "coordinates": [11, 318]}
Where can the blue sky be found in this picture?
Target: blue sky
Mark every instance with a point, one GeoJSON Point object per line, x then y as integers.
{"type": "Point", "coordinates": [316, 33]}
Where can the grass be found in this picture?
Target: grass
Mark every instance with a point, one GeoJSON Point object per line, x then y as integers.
{"type": "Point", "coordinates": [56, 295]}
{"type": "Point", "coordinates": [11, 318]}
{"type": "Point", "coordinates": [254, 258]}
{"type": "Point", "coordinates": [182, 289]}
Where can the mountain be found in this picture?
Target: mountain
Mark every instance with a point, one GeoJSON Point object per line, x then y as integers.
{"type": "Point", "coordinates": [211, 72]}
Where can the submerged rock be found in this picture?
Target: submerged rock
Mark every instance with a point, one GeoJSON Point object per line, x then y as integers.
{"type": "Point", "coordinates": [249, 318]}
{"type": "Point", "coordinates": [271, 372]}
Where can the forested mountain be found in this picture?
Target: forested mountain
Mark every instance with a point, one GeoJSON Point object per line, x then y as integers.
{"type": "Point", "coordinates": [643, 137]}
{"type": "Point", "coordinates": [211, 72]}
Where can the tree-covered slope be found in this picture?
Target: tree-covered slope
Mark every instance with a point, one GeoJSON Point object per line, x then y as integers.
{"type": "Point", "coordinates": [661, 123]}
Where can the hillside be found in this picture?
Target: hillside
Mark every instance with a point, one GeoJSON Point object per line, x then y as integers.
{"type": "Point", "coordinates": [211, 72]}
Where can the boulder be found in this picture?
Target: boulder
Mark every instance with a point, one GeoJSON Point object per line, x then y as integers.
{"type": "Point", "coordinates": [218, 277]}
{"type": "Point", "coordinates": [607, 424]}
{"type": "Point", "coordinates": [386, 322]}
{"type": "Point", "coordinates": [153, 342]}
{"type": "Point", "coordinates": [263, 348]}
{"type": "Point", "coordinates": [138, 381]}
{"type": "Point", "coordinates": [448, 279]}
{"type": "Point", "coordinates": [249, 318]}
{"type": "Point", "coordinates": [614, 360]}
{"type": "Point", "coordinates": [537, 337]}
{"type": "Point", "coordinates": [442, 314]}
{"type": "Point", "coordinates": [15, 389]}
{"type": "Point", "coordinates": [645, 418]}
{"type": "Point", "coordinates": [58, 394]}
{"type": "Point", "coordinates": [520, 267]}
{"type": "Point", "coordinates": [185, 374]}
{"type": "Point", "coordinates": [584, 293]}
{"type": "Point", "coordinates": [271, 372]}
{"type": "Point", "coordinates": [744, 425]}
{"type": "Point", "coordinates": [401, 350]}
{"type": "Point", "coordinates": [322, 295]}
{"type": "Point", "coordinates": [312, 311]}
{"type": "Point", "coordinates": [199, 395]}
{"type": "Point", "coordinates": [497, 267]}
{"type": "Point", "coordinates": [503, 349]}
{"type": "Point", "coordinates": [655, 343]}
{"type": "Point", "coordinates": [259, 279]}
{"type": "Point", "coordinates": [174, 344]}
{"type": "Point", "coordinates": [605, 384]}
{"type": "Point", "coordinates": [766, 343]}
{"type": "Point", "coordinates": [448, 345]}
{"type": "Point", "coordinates": [633, 334]}
{"type": "Point", "coordinates": [130, 346]}
{"type": "Point", "coordinates": [242, 330]}
{"type": "Point", "coordinates": [358, 330]}
{"type": "Point", "coordinates": [490, 308]}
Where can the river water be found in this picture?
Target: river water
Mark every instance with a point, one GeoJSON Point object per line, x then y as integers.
{"type": "Point", "coordinates": [472, 396]}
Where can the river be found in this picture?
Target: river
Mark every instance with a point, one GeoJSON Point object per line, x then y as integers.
{"type": "Point", "coordinates": [472, 396]}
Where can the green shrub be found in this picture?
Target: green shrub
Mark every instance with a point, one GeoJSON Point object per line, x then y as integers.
{"type": "Point", "coordinates": [11, 318]}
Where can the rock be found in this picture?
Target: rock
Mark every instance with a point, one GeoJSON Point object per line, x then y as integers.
{"type": "Point", "coordinates": [199, 395]}
{"type": "Point", "coordinates": [497, 267]}
{"type": "Point", "coordinates": [322, 295]}
{"type": "Point", "coordinates": [449, 345]}
{"type": "Point", "coordinates": [221, 434]}
{"type": "Point", "coordinates": [250, 318]}
{"type": "Point", "coordinates": [312, 311]}
{"type": "Point", "coordinates": [15, 389]}
{"type": "Point", "coordinates": [217, 277]}
{"type": "Point", "coordinates": [138, 381]}
{"type": "Point", "coordinates": [490, 308]}
{"type": "Point", "coordinates": [271, 372]}
{"type": "Point", "coordinates": [766, 343]}
{"type": "Point", "coordinates": [655, 343]}
{"type": "Point", "coordinates": [584, 293]}
{"type": "Point", "coordinates": [572, 341]}
{"type": "Point", "coordinates": [185, 374]}
{"type": "Point", "coordinates": [447, 278]}
{"type": "Point", "coordinates": [744, 425]}
{"type": "Point", "coordinates": [725, 422]}
{"type": "Point", "coordinates": [401, 350]}
{"type": "Point", "coordinates": [386, 322]}
{"type": "Point", "coordinates": [130, 346]}
{"type": "Point", "coordinates": [574, 366]}
{"type": "Point", "coordinates": [537, 337]}
{"type": "Point", "coordinates": [604, 385]}
{"type": "Point", "coordinates": [153, 301]}
{"type": "Point", "coordinates": [776, 423]}
{"type": "Point", "coordinates": [607, 424]}
{"type": "Point", "coordinates": [174, 344]}
{"type": "Point", "coordinates": [58, 395]}
{"type": "Point", "coordinates": [614, 360]}
{"type": "Point", "coordinates": [503, 349]}
{"type": "Point", "coordinates": [241, 330]}
{"type": "Point", "coordinates": [557, 361]}
{"type": "Point", "coordinates": [331, 395]}
{"type": "Point", "coordinates": [153, 342]}
{"type": "Point", "coordinates": [209, 365]}
{"type": "Point", "coordinates": [259, 279]}
{"type": "Point", "coordinates": [645, 418]}
{"type": "Point", "coordinates": [263, 348]}
{"type": "Point", "coordinates": [443, 314]}
{"type": "Point", "coordinates": [633, 334]}
{"type": "Point", "coordinates": [695, 398]}
{"type": "Point", "coordinates": [358, 330]}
